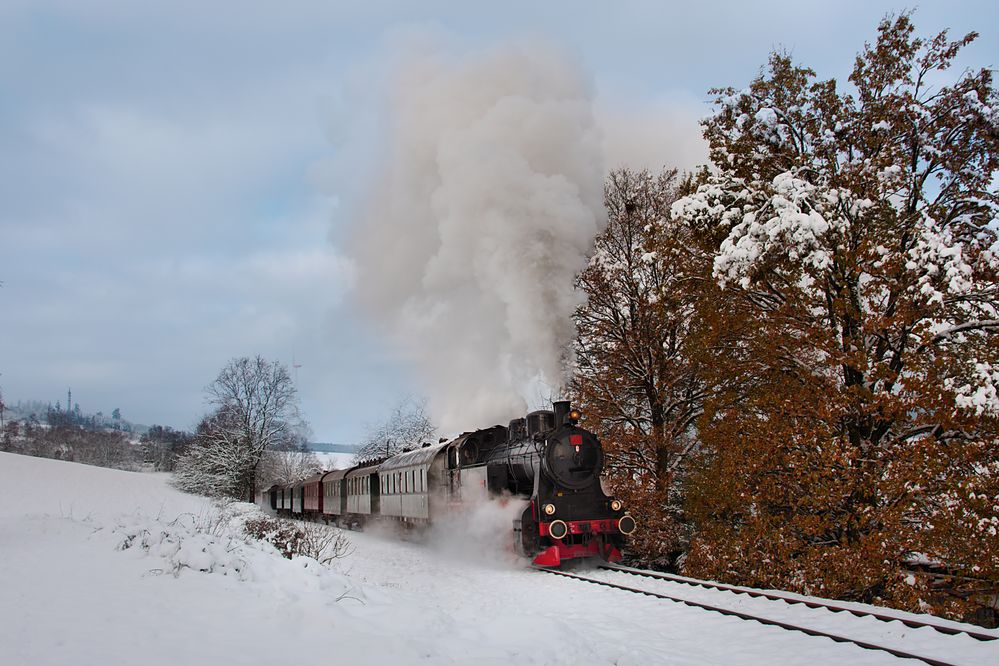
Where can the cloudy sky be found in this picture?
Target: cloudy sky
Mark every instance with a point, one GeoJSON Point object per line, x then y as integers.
{"type": "Point", "coordinates": [176, 182]}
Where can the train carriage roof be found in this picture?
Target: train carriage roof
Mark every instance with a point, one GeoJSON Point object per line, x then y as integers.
{"type": "Point", "coordinates": [315, 479]}
{"type": "Point", "coordinates": [337, 474]}
{"type": "Point", "coordinates": [421, 456]}
{"type": "Point", "coordinates": [362, 471]}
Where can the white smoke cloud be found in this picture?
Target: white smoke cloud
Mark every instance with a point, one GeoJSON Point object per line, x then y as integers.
{"type": "Point", "coordinates": [481, 213]}
{"type": "Point", "coordinates": [481, 533]}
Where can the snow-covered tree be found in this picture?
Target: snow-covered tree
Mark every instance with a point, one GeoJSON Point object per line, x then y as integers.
{"type": "Point", "coordinates": [256, 410]}
{"type": "Point", "coordinates": [286, 464]}
{"type": "Point", "coordinates": [407, 426]}
{"type": "Point", "coordinates": [636, 377]}
{"type": "Point", "coordinates": [162, 445]}
{"type": "Point", "coordinates": [855, 233]}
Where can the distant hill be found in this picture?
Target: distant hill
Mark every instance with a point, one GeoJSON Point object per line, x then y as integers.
{"type": "Point", "coordinates": [327, 447]}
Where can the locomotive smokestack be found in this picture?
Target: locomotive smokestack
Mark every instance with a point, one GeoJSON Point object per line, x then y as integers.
{"type": "Point", "coordinates": [561, 412]}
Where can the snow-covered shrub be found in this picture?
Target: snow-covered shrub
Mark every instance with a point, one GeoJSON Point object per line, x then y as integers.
{"type": "Point", "coordinates": [284, 535]}
{"type": "Point", "coordinates": [323, 544]}
{"type": "Point", "coordinates": [291, 538]}
{"type": "Point", "coordinates": [235, 539]}
{"type": "Point", "coordinates": [182, 544]}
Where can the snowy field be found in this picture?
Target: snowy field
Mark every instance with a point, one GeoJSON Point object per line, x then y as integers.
{"type": "Point", "coordinates": [334, 460]}
{"type": "Point", "coordinates": [72, 595]}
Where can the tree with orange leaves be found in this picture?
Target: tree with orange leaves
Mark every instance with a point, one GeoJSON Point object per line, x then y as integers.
{"type": "Point", "coordinates": [635, 380]}
{"type": "Point", "coordinates": [854, 428]}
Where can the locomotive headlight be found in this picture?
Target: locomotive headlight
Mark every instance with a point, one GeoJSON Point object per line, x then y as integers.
{"type": "Point", "coordinates": [558, 529]}
{"type": "Point", "coordinates": [626, 524]}
{"type": "Point", "coordinates": [616, 505]}
{"type": "Point", "coordinates": [575, 415]}
{"type": "Point", "coordinates": [549, 509]}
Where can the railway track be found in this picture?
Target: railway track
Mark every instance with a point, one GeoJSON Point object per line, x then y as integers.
{"type": "Point", "coordinates": [794, 599]}
{"type": "Point", "coordinates": [773, 619]}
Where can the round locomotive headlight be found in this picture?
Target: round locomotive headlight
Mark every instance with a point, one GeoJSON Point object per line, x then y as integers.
{"type": "Point", "coordinates": [616, 505]}
{"type": "Point", "coordinates": [626, 524]}
{"type": "Point", "coordinates": [558, 529]}
{"type": "Point", "coordinates": [549, 509]}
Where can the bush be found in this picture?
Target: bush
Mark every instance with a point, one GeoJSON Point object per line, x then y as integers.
{"type": "Point", "coordinates": [320, 542]}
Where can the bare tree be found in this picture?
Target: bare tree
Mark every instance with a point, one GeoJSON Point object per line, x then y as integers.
{"type": "Point", "coordinates": [406, 426]}
{"type": "Point", "coordinates": [256, 410]}
{"type": "Point", "coordinates": [287, 463]}
{"type": "Point", "coordinates": [162, 445]}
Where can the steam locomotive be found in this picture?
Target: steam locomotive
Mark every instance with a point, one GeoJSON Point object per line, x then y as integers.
{"type": "Point", "coordinates": [545, 459]}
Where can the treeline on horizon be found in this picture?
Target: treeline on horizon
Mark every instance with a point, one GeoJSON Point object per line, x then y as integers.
{"type": "Point", "coordinates": [36, 428]}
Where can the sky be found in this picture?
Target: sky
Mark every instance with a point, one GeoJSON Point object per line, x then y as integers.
{"type": "Point", "coordinates": [178, 182]}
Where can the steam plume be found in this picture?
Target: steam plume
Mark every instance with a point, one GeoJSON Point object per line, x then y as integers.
{"type": "Point", "coordinates": [480, 216]}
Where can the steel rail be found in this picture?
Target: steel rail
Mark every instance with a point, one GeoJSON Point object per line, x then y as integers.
{"type": "Point", "coordinates": [810, 603]}
{"type": "Point", "coordinates": [762, 620]}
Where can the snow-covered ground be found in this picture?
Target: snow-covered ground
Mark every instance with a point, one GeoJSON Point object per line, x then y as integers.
{"type": "Point", "coordinates": [71, 595]}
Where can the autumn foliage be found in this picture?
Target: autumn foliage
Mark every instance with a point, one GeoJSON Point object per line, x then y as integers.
{"type": "Point", "coordinates": [637, 382]}
{"type": "Point", "coordinates": [832, 286]}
